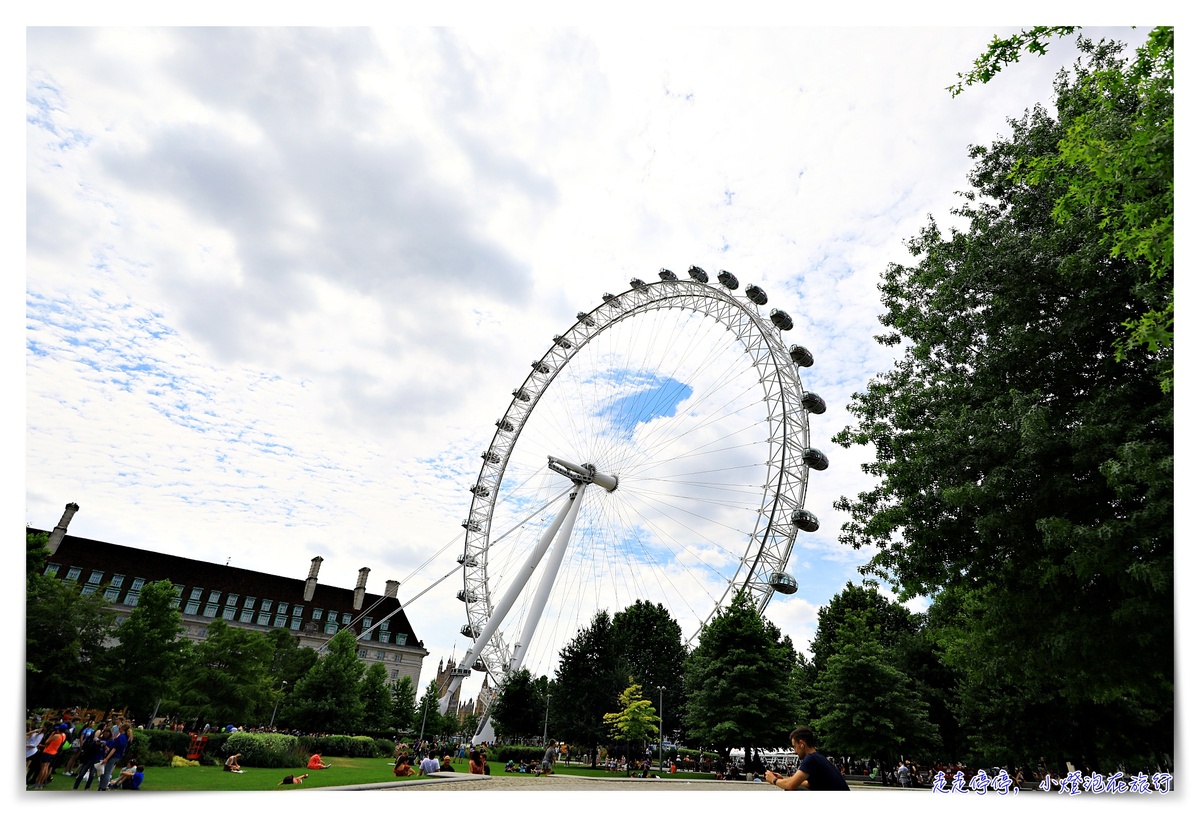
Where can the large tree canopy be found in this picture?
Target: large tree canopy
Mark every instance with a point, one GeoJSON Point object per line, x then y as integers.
{"type": "Point", "coordinates": [651, 642]}
{"type": "Point", "coordinates": [1021, 464]}
{"type": "Point", "coordinates": [590, 677]}
{"type": "Point", "coordinates": [738, 681]}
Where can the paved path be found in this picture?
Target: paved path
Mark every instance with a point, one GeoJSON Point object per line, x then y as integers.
{"type": "Point", "coordinates": [456, 781]}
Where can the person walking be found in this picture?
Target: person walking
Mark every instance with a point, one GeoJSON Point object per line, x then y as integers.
{"type": "Point", "coordinates": [548, 758]}
{"type": "Point", "coordinates": [815, 772]}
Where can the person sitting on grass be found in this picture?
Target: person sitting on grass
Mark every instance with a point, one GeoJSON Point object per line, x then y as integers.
{"type": "Point", "coordinates": [446, 765]}
{"type": "Point", "coordinates": [403, 767]}
{"type": "Point", "coordinates": [130, 777]}
{"type": "Point", "coordinates": [232, 764]}
{"type": "Point", "coordinates": [315, 762]}
{"type": "Point", "coordinates": [134, 781]}
{"type": "Point", "coordinates": [293, 780]}
{"type": "Point", "coordinates": [510, 766]}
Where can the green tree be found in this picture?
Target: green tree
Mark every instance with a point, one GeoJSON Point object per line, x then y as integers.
{"type": "Point", "coordinates": [590, 677]}
{"type": "Point", "coordinates": [1117, 149]}
{"type": "Point", "coordinates": [430, 722]}
{"type": "Point", "coordinates": [892, 620]}
{"type": "Point", "coordinates": [404, 703]}
{"type": "Point", "coordinates": [144, 666]}
{"type": "Point", "coordinates": [651, 642]}
{"type": "Point", "coordinates": [868, 706]}
{"type": "Point", "coordinates": [636, 720]}
{"type": "Point", "coordinates": [519, 711]}
{"type": "Point", "coordinates": [738, 681]}
{"type": "Point", "coordinates": [377, 700]}
{"type": "Point", "coordinates": [1017, 458]}
{"type": "Point", "coordinates": [64, 637]}
{"type": "Point", "coordinates": [224, 677]}
{"type": "Point", "coordinates": [289, 661]}
{"type": "Point", "coordinates": [327, 698]}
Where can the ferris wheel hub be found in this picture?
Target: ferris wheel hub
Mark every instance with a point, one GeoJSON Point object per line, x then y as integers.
{"type": "Point", "coordinates": [585, 473]}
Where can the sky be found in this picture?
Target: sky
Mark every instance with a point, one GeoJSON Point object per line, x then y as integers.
{"type": "Point", "coordinates": [280, 282]}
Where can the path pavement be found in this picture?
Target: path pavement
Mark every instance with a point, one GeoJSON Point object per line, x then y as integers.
{"type": "Point", "coordinates": [456, 781]}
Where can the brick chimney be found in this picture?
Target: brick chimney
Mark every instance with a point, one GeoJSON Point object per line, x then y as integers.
{"type": "Point", "coordinates": [310, 586]}
{"type": "Point", "coordinates": [392, 588]}
{"type": "Point", "coordinates": [56, 535]}
{"type": "Point", "coordinates": [360, 589]}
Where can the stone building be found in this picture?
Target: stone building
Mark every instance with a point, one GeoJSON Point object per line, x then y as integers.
{"type": "Point", "coordinates": [262, 602]}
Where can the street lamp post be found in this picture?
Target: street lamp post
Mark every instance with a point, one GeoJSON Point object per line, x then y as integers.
{"type": "Point", "coordinates": [424, 715]}
{"type": "Point", "coordinates": [660, 724]}
{"type": "Point", "coordinates": [283, 686]}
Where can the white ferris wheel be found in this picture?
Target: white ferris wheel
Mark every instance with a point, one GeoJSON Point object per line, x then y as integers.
{"type": "Point", "coordinates": [658, 451]}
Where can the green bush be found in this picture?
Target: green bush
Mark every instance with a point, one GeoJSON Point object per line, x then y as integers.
{"type": "Point", "coordinates": [344, 746]}
{"type": "Point", "coordinates": [384, 747]}
{"type": "Point", "coordinates": [264, 750]}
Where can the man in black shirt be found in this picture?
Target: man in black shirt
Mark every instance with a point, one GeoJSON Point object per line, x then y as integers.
{"type": "Point", "coordinates": [816, 773]}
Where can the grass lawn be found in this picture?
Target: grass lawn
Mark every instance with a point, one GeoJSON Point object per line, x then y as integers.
{"type": "Point", "coordinates": [344, 771]}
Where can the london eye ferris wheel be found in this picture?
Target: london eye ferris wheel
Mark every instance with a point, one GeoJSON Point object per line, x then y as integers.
{"type": "Point", "coordinates": [658, 450]}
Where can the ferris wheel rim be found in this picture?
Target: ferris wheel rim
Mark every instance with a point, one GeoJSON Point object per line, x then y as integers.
{"type": "Point", "coordinates": [769, 547]}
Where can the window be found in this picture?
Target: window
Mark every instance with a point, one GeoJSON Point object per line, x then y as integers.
{"type": "Point", "coordinates": [51, 570]}
{"type": "Point", "coordinates": [280, 620]}
{"type": "Point", "coordinates": [266, 605]}
{"type": "Point", "coordinates": [247, 615]}
{"type": "Point", "coordinates": [117, 580]}
{"type": "Point", "coordinates": [197, 592]}
{"type": "Point", "coordinates": [210, 610]}
{"type": "Point", "coordinates": [295, 622]}
{"type": "Point", "coordinates": [264, 618]}
{"type": "Point", "coordinates": [345, 619]}
{"type": "Point", "coordinates": [111, 594]}
{"type": "Point", "coordinates": [231, 600]}
{"type": "Point", "coordinates": [401, 639]}
{"type": "Point", "coordinates": [249, 602]}
{"type": "Point", "coordinates": [385, 637]}
{"type": "Point", "coordinates": [178, 595]}
{"type": "Point", "coordinates": [383, 625]}
{"type": "Point", "coordinates": [317, 613]}
{"type": "Point", "coordinates": [330, 627]}
{"type": "Point", "coordinates": [88, 589]}
{"type": "Point", "coordinates": [298, 611]}
{"type": "Point", "coordinates": [362, 653]}
{"type": "Point", "coordinates": [228, 613]}
{"type": "Point", "coordinates": [73, 573]}
{"type": "Point", "coordinates": [214, 597]}
{"type": "Point", "coordinates": [379, 655]}
{"type": "Point", "coordinates": [135, 590]}
{"type": "Point", "coordinates": [367, 622]}
{"type": "Point", "coordinates": [96, 576]}
{"type": "Point", "coordinates": [192, 608]}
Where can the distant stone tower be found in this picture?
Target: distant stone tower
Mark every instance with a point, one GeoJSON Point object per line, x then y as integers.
{"type": "Point", "coordinates": [60, 530]}
{"type": "Point", "coordinates": [443, 683]}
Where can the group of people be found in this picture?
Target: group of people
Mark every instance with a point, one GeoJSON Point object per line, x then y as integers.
{"type": "Point", "coordinates": [87, 751]}
{"type": "Point", "coordinates": [527, 766]}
